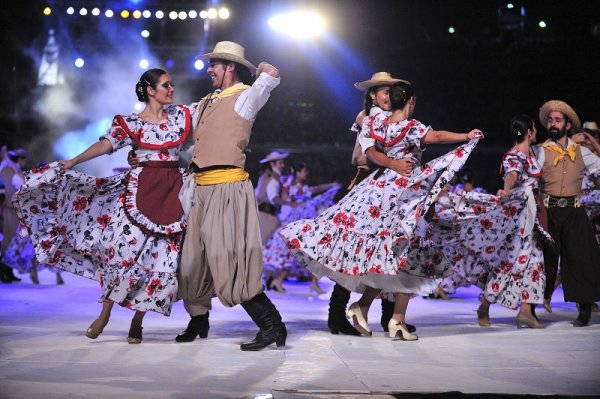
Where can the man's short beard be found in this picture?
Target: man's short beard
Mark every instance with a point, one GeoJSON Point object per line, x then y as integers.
{"type": "Point", "coordinates": [556, 134]}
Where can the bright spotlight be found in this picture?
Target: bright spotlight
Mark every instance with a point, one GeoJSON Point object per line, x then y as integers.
{"type": "Point", "coordinates": [79, 62]}
{"type": "Point", "coordinates": [138, 106]}
{"type": "Point", "coordinates": [542, 24]}
{"type": "Point", "coordinates": [159, 14]}
{"type": "Point", "coordinates": [146, 14]}
{"type": "Point", "coordinates": [47, 11]}
{"type": "Point", "coordinates": [145, 34]}
{"type": "Point", "coordinates": [95, 12]}
{"type": "Point", "coordinates": [182, 15]}
{"type": "Point", "coordinates": [70, 10]}
{"type": "Point", "coordinates": [144, 63]}
{"type": "Point", "coordinates": [199, 65]}
{"type": "Point", "coordinates": [124, 14]}
{"type": "Point", "coordinates": [203, 14]}
{"type": "Point", "coordinates": [137, 14]}
{"type": "Point", "coordinates": [224, 13]}
{"type": "Point", "coordinates": [109, 13]}
{"type": "Point", "coordinates": [451, 30]}
{"type": "Point", "coordinates": [510, 6]}
{"type": "Point", "coordinates": [192, 14]}
{"type": "Point", "coordinates": [212, 13]}
{"type": "Point", "coordinates": [173, 15]}
{"type": "Point", "coordinates": [299, 24]}
{"type": "Point", "coordinates": [83, 11]}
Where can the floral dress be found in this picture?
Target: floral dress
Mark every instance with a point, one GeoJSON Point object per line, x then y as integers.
{"type": "Point", "coordinates": [590, 199]}
{"type": "Point", "coordinates": [355, 242]}
{"type": "Point", "coordinates": [276, 255]}
{"type": "Point", "coordinates": [124, 230]}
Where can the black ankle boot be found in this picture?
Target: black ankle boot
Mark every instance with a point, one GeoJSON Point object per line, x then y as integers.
{"type": "Point", "coordinates": [267, 318]}
{"type": "Point", "coordinates": [198, 326]}
{"type": "Point", "coordinates": [337, 321]}
{"type": "Point", "coordinates": [6, 274]}
{"type": "Point", "coordinates": [585, 313]}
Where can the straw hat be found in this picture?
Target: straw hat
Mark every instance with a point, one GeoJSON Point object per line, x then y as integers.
{"type": "Point", "coordinates": [19, 152]}
{"type": "Point", "coordinates": [592, 126]}
{"type": "Point", "coordinates": [378, 79]}
{"type": "Point", "coordinates": [274, 156]}
{"type": "Point", "coordinates": [229, 51]}
{"type": "Point", "coordinates": [562, 107]}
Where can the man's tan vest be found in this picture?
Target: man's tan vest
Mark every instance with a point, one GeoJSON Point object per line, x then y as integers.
{"type": "Point", "coordinates": [564, 179]}
{"type": "Point", "coordinates": [261, 186]}
{"type": "Point", "coordinates": [221, 135]}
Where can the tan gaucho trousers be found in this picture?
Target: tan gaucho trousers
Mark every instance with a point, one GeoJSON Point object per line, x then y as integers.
{"type": "Point", "coordinates": [221, 251]}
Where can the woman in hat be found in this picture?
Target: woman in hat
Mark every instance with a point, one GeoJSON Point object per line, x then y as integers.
{"type": "Point", "coordinates": [124, 230]}
{"type": "Point", "coordinates": [358, 242]}
{"type": "Point", "coordinates": [309, 200]}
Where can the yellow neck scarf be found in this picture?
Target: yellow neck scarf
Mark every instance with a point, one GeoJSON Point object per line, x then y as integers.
{"type": "Point", "coordinates": [570, 151]}
{"type": "Point", "coordinates": [230, 91]}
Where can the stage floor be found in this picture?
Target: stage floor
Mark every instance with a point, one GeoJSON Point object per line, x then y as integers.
{"type": "Point", "coordinates": [45, 354]}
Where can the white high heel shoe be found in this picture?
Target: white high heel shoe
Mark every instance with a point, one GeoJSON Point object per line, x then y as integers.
{"type": "Point", "coordinates": [395, 327]}
{"type": "Point", "coordinates": [357, 317]}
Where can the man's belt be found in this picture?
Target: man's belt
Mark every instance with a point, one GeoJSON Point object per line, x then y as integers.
{"type": "Point", "coordinates": [268, 208]}
{"type": "Point", "coordinates": [551, 201]}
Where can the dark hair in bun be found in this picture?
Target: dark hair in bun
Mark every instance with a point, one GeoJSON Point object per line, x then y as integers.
{"type": "Point", "coordinates": [298, 166]}
{"type": "Point", "coordinates": [148, 79]}
{"type": "Point", "coordinates": [400, 93]}
{"type": "Point", "coordinates": [519, 125]}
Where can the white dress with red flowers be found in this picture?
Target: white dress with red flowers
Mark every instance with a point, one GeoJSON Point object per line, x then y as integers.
{"type": "Point", "coordinates": [353, 241]}
{"type": "Point", "coordinates": [93, 226]}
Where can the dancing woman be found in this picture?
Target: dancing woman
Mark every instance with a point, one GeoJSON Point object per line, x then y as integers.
{"type": "Point", "coordinates": [352, 242]}
{"type": "Point", "coordinates": [124, 230]}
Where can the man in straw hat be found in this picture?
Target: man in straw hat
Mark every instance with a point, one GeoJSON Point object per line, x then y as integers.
{"type": "Point", "coordinates": [222, 248]}
{"type": "Point", "coordinates": [564, 163]}
{"type": "Point", "coordinates": [376, 99]}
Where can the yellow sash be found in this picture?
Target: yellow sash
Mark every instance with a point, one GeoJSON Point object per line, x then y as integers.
{"type": "Point", "coordinates": [218, 176]}
{"type": "Point", "coordinates": [570, 151]}
{"type": "Point", "coordinates": [230, 91]}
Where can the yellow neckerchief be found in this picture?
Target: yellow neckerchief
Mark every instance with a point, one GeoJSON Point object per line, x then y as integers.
{"type": "Point", "coordinates": [570, 151]}
{"type": "Point", "coordinates": [230, 91]}
{"type": "Point", "coordinates": [218, 176]}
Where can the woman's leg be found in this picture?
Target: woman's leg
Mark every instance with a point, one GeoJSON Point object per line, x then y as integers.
{"type": "Point", "coordinates": [98, 325]}
{"type": "Point", "coordinates": [135, 330]}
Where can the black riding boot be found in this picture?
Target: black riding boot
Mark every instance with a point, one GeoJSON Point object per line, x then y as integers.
{"type": "Point", "coordinates": [198, 326]}
{"type": "Point", "coordinates": [585, 313]}
{"type": "Point", "coordinates": [337, 321]}
{"type": "Point", "coordinates": [267, 318]}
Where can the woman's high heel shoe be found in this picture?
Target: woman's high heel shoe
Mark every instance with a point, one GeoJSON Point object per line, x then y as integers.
{"type": "Point", "coordinates": [527, 319]}
{"type": "Point", "coordinates": [357, 317]}
{"type": "Point", "coordinates": [483, 316]}
{"type": "Point", "coordinates": [135, 334]}
{"type": "Point", "coordinates": [95, 329]}
{"type": "Point", "coordinates": [399, 329]}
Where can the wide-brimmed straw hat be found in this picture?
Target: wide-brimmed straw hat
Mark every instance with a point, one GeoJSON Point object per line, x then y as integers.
{"type": "Point", "coordinates": [378, 79]}
{"type": "Point", "coordinates": [229, 51]}
{"type": "Point", "coordinates": [562, 107]}
{"type": "Point", "coordinates": [593, 126]}
{"type": "Point", "coordinates": [274, 156]}
{"type": "Point", "coordinates": [19, 152]}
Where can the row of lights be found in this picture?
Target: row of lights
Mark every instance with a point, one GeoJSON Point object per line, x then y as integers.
{"type": "Point", "coordinates": [211, 13]}
{"type": "Point", "coordinates": [143, 63]}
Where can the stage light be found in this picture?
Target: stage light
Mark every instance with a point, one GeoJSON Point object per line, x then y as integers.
{"type": "Point", "coordinates": [182, 15]}
{"type": "Point", "coordinates": [298, 24]}
{"type": "Point", "coordinates": [144, 63]}
{"type": "Point", "coordinates": [83, 11]}
{"type": "Point", "coordinates": [109, 13]}
{"type": "Point", "coordinates": [124, 14]}
{"type": "Point", "coordinates": [47, 11]}
{"type": "Point", "coordinates": [510, 6]}
{"type": "Point", "coordinates": [542, 24]}
{"type": "Point", "coordinates": [137, 14]}
{"type": "Point", "coordinates": [145, 34]}
{"type": "Point", "coordinates": [95, 12]}
{"type": "Point", "coordinates": [146, 14]}
{"type": "Point", "coordinates": [173, 15]}
{"type": "Point", "coordinates": [212, 13]}
{"type": "Point", "coordinates": [169, 63]}
{"type": "Point", "coordinates": [203, 14]}
{"type": "Point", "coordinates": [138, 106]}
{"type": "Point", "coordinates": [79, 62]}
{"type": "Point", "coordinates": [199, 65]}
{"type": "Point", "coordinates": [192, 14]}
{"type": "Point", "coordinates": [70, 10]}
{"type": "Point", "coordinates": [224, 13]}
{"type": "Point", "coordinates": [159, 14]}
{"type": "Point", "coordinates": [451, 30]}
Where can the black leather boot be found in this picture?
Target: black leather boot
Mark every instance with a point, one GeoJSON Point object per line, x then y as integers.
{"type": "Point", "coordinates": [271, 328]}
{"type": "Point", "coordinates": [585, 313]}
{"type": "Point", "coordinates": [6, 274]}
{"type": "Point", "coordinates": [337, 321]}
{"type": "Point", "coordinates": [387, 311]}
{"type": "Point", "coordinates": [197, 327]}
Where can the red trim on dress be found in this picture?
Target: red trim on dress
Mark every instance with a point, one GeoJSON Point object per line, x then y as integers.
{"type": "Point", "coordinates": [136, 137]}
{"type": "Point", "coordinates": [403, 133]}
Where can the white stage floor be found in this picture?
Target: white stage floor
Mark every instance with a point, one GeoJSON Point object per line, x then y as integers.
{"type": "Point", "coordinates": [45, 354]}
